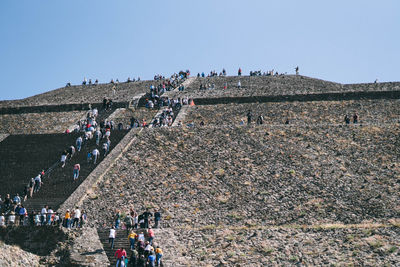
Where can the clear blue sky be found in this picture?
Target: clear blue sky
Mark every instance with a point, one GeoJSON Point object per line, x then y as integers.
{"type": "Point", "coordinates": [45, 44]}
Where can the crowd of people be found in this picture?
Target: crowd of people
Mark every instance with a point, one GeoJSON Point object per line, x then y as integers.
{"type": "Point", "coordinates": [13, 207]}
{"type": "Point", "coordinates": [14, 212]}
{"type": "Point", "coordinates": [260, 119]}
{"type": "Point", "coordinates": [272, 72]}
{"type": "Point", "coordinates": [19, 216]}
{"type": "Point", "coordinates": [140, 234]}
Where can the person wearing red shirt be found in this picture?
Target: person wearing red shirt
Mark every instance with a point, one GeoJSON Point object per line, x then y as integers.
{"type": "Point", "coordinates": [120, 254]}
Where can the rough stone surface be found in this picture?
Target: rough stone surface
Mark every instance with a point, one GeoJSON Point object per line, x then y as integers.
{"type": "Point", "coordinates": [259, 175]}
{"type": "Point", "coordinates": [333, 246]}
{"type": "Point", "coordinates": [317, 112]}
{"type": "Point", "coordinates": [123, 115]}
{"type": "Point", "coordinates": [3, 136]}
{"type": "Point", "coordinates": [14, 256]}
{"type": "Point", "coordinates": [311, 193]}
{"type": "Point", "coordinates": [254, 177]}
{"type": "Point", "coordinates": [83, 94]}
{"type": "Point", "coordinates": [87, 250]}
{"type": "Point", "coordinates": [38, 123]}
{"type": "Point", "coordinates": [272, 85]}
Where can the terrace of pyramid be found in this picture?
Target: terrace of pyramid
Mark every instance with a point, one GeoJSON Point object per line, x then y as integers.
{"type": "Point", "coordinates": [302, 188]}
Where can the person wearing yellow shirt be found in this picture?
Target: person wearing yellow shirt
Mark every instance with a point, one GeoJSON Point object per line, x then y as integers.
{"type": "Point", "coordinates": [67, 219]}
{"type": "Point", "coordinates": [132, 237]}
{"type": "Point", "coordinates": [158, 255]}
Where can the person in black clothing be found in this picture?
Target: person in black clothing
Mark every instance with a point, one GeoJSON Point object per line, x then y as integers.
{"type": "Point", "coordinates": [7, 201]}
{"type": "Point", "coordinates": [146, 215]}
{"type": "Point", "coordinates": [249, 116]}
{"type": "Point", "coordinates": [346, 119]}
{"type": "Point", "coordinates": [355, 118]}
{"type": "Point", "coordinates": [26, 192]}
{"type": "Point", "coordinates": [260, 120]}
{"type": "Point", "coordinates": [157, 218]}
{"type": "Point", "coordinates": [105, 103]}
{"type": "Point", "coordinates": [141, 261]}
{"type": "Point", "coordinates": [120, 126]}
{"type": "Point", "coordinates": [133, 259]}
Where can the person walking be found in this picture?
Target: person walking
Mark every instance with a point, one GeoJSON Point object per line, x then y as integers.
{"type": "Point", "coordinates": [132, 238]}
{"type": "Point", "coordinates": [157, 218]}
{"type": "Point", "coordinates": [95, 154]}
{"type": "Point", "coordinates": [120, 254]}
{"type": "Point", "coordinates": [79, 143]}
{"type": "Point", "coordinates": [111, 237]}
{"type": "Point", "coordinates": [64, 158]}
{"type": "Point", "coordinates": [31, 186]}
{"type": "Point", "coordinates": [77, 216]}
{"type": "Point", "coordinates": [77, 168]}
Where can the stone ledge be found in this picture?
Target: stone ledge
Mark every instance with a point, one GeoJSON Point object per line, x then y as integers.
{"type": "Point", "coordinates": [87, 250]}
{"type": "Point", "coordinates": [3, 136]}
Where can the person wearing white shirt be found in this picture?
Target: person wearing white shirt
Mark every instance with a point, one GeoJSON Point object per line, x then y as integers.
{"type": "Point", "coordinates": [43, 215]}
{"type": "Point", "coordinates": [95, 154]}
{"type": "Point", "coordinates": [79, 143]}
{"type": "Point", "coordinates": [11, 218]}
{"type": "Point", "coordinates": [2, 221]}
{"type": "Point", "coordinates": [111, 237]}
{"type": "Point", "coordinates": [77, 216]}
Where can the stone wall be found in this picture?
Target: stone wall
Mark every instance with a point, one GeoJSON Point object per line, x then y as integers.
{"type": "Point", "coordinates": [38, 123]}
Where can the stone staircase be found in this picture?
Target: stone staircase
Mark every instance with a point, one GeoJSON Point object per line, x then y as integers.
{"type": "Point", "coordinates": [121, 240]}
{"type": "Point", "coordinates": [59, 185]}
{"type": "Point", "coordinates": [23, 157]}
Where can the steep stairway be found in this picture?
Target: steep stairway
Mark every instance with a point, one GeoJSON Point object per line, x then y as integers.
{"type": "Point", "coordinates": [24, 156]}
{"type": "Point", "coordinates": [58, 185]}
{"type": "Point", "coordinates": [121, 240]}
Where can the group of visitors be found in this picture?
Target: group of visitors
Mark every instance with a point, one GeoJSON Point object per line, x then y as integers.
{"type": "Point", "coordinates": [260, 119]}
{"type": "Point", "coordinates": [267, 73]}
{"type": "Point", "coordinates": [144, 252]}
{"type": "Point", "coordinates": [45, 217]}
{"type": "Point", "coordinates": [347, 118]}
{"type": "Point", "coordinates": [33, 186]}
{"type": "Point", "coordinates": [250, 116]}
{"type": "Point", "coordinates": [89, 82]}
{"type": "Point", "coordinates": [212, 73]}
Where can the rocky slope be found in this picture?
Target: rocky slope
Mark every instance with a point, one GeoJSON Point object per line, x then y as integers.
{"type": "Point", "coordinates": [315, 112]}
{"type": "Point", "coordinates": [14, 256]}
{"type": "Point", "coordinates": [84, 94]}
{"type": "Point", "coordinates": [39, 123]}
{"type": "Point", "coordinates": [284, 246]}
{"type": "Point", "coordinates": [262, 177]}
{"type": "Point", "coordinates": [258, 175]}
{"type": "Point", "coordinates": [272, 85]}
